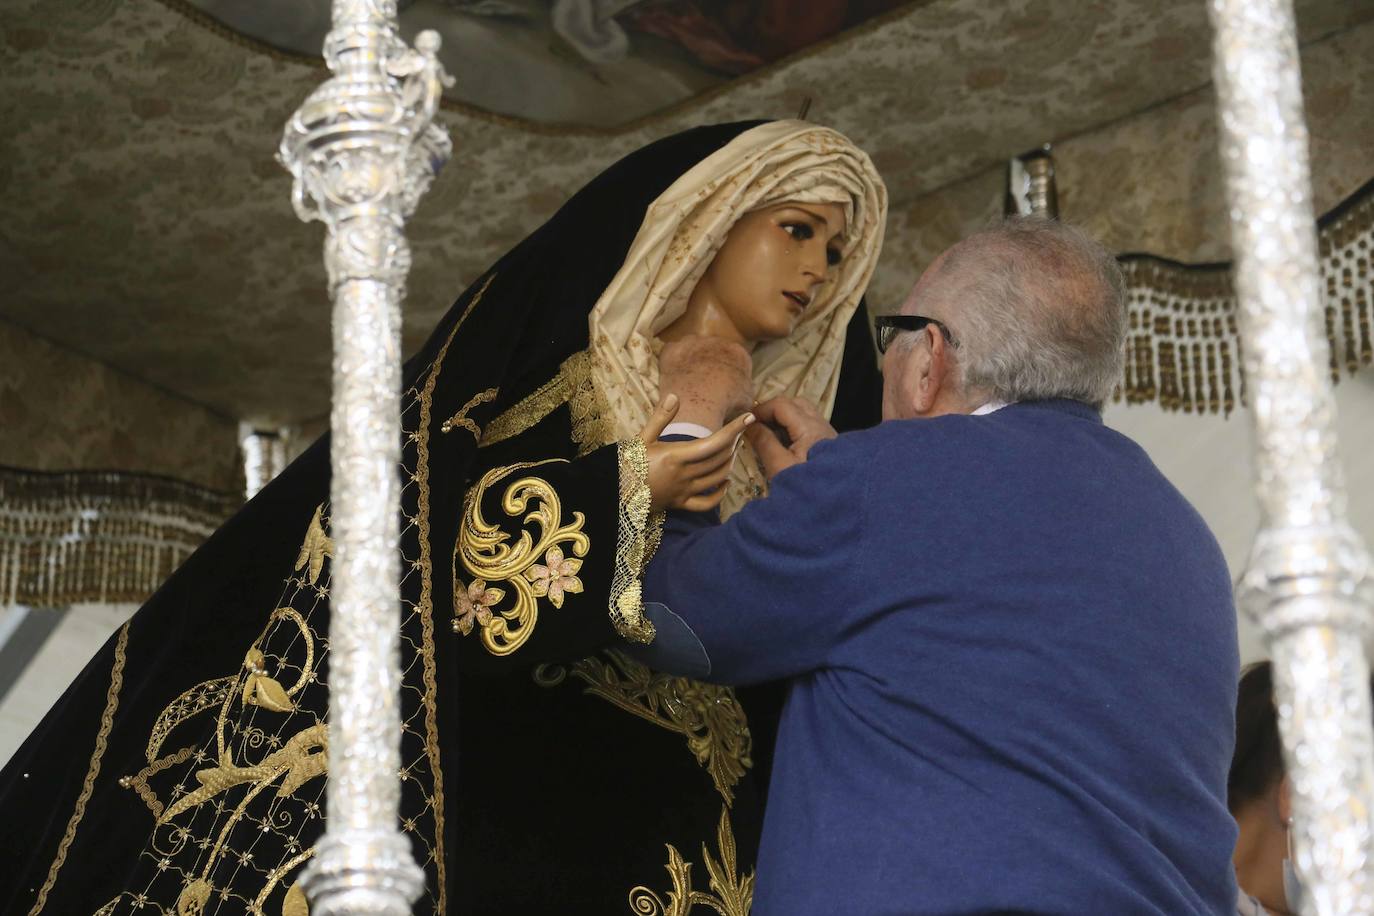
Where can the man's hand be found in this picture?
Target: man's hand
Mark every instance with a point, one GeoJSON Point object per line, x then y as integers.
{"type": "Point", "coordinates": [689, 475]}
{"type": "Point", "coordinates": [803, 425]}
{"type": "Point", "coordinates": [712, 376]}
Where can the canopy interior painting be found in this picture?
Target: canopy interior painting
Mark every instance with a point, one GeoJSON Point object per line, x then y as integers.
{"type": "Point", "coordinates": [584, 63]}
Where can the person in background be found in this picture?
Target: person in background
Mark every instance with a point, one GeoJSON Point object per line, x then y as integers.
{"type": "Point", "coordinates": [1260, 798]}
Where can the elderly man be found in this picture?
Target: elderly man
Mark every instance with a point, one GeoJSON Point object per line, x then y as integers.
{"type": "Point", "coordinates": [1010, 641]}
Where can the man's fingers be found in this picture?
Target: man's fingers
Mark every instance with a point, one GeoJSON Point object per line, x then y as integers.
{"type": "Point", "coordinates": [774, 455]}
{"type": "Point", "coordinates": [658, 420]}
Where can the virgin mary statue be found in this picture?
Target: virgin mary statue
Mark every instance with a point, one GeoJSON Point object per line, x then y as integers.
{"type": "Point", "coordinates": [544, 770]}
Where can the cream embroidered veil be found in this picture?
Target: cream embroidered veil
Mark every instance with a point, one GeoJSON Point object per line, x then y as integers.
{"type": "Point", "coordinates": [682, 230]}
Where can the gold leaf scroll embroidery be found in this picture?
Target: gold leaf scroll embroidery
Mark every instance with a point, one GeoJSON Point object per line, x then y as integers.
{"type": "Point", "coordinates": [488, 557]}
{"type": "Point", "coordinates": [316, 547]}
{"type": "Point", "coordinates": [730, 894]}
{"type": "Point", "coordinates": [707, 715]}
{"type": "Point", "coordinates": [461, 420]}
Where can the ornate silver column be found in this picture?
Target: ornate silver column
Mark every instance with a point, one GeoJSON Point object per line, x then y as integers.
{"type": "Point", "coordinates": [1308, 583]}
{"type": "Point", "coordinates": [363, 149]}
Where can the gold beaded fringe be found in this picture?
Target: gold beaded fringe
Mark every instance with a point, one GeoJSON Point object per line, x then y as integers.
{"type": "Point", "coordinates": [1183, 346]}
{"type": "Point", "coordinates": [97, 535]}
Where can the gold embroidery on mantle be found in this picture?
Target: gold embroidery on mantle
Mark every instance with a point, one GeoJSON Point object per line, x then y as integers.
{"type": "Point", "coordinates": [460, 419]}
{"type": "Point", "coordinates": [425, 606]}
{"type": "Point", "coordinates": [574, 386]}
{"type": "Point", "coordinates": [730, 894]}
{"type": "Point", "coordinates": [488, 557]}
{"type": "Point", "coordinates": [707, 715]}
{"type": "Point", "coordinates": [102, 737]}
{"type": "Point", "coordinates": [139, 782]}
{"type": "Point", "coordinates": [316, 548]}
{"type": "Point", "coordinates": [528, 411]}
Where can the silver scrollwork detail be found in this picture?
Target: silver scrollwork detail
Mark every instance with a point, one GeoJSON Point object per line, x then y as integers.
{"type": "Point", "coordinates": [362, 149]}
{"type": "Point", "coordinates": [1308, 584]}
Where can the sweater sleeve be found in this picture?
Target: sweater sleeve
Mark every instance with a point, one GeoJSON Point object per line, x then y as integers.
{"type": "Point", "coordinates": [769, 593]}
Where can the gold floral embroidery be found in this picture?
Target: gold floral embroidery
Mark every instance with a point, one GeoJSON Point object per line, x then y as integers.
{"type": "Point", "coordinates": [730, 895]}
{"type": "Point", "coordinates": [555, 576]}
{"type": "Point", "coordinates": [203, 696]}
{"type": "Point", "coordinates": [635, 532]}
{"type": "Point", "coordinates": [474, 605]}
{"type": "Point", "coordinates": [303, 758]}
{"type": "Point", "coordinates": [486, 555]}
{"type": "Point", "coordinates": [102, 737]}
{"type": "Point", "coordinates": [707, 715]}
{"type": "Point", "coordinates": [461, 420]}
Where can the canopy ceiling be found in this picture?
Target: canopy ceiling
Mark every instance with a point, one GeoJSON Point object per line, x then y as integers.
{"type": "Point", "coordinates": [148, 226]}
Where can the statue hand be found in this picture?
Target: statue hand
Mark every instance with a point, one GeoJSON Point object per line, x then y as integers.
{"type": "Point", "coordinates": [689, 475]}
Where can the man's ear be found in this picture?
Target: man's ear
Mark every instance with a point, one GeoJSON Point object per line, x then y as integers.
{"type": "Point", "coordinates": [930, 362]}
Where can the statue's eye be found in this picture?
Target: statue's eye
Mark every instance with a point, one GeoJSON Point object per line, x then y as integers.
{"type": "Point", "coordinates": [799, 231]}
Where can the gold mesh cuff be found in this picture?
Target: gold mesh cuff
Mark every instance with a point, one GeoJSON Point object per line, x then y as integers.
{"type": "Point", "coordinates": [637, 535]}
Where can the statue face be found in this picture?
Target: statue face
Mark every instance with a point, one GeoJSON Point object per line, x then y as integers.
{"type": "Point", "coordinates": [770, 268]}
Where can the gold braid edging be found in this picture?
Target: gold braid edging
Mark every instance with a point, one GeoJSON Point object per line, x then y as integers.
{"type": "Point", "coordinates": [102, 736]}
{"type": "Point", "coordinates": [636, 532]}
{"type": "Point", "coordinates": [575, 386]}
{"type": "Point", "coordinates": [426, 399]}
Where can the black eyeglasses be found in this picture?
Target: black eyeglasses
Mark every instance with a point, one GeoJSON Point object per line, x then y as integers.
{"type": "Point", "coordinates": [889, 326]}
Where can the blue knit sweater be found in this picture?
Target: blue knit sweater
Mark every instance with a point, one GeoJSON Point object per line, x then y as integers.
{"type": "Point", "coordinates": [1012, 653]}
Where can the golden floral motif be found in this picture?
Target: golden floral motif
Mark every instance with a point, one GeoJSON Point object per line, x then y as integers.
{"type": "Point", "coordinates": [707, 715]}
{"type": "Point", "coordinates": [474, 605]}
{"type": "Point", "coordinates": [488, 556]}
{"type": "Point", "coordinates": [555, 576]}
{"type": "Point", "coordinates": [730, 894]}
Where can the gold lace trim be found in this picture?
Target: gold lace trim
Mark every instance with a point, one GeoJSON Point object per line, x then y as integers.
{"type": "Point", "coordinates": [426, 602]}
{"type": "Point", "coordinates": [574, 386]}
{"type": "Point", "coordinates": [637, 536]}
{"type": "Point", "coordinates": [730, 894]}
{"type": "Point", "coordinates": [592, 426]}
{"type": "Point", "coordinates": [88, 785]}
{"type": "Point", "coordinates": [528, 411]}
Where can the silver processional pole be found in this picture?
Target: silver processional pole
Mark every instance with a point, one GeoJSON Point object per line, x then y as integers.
{"type": "Point", "coordinates": [363, 148]}
{"type": "Point", "coordinates": [1307, 585]}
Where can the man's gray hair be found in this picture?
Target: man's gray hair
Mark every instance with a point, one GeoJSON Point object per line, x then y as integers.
{"type": "Point", "coordinates": [1038, 308]}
